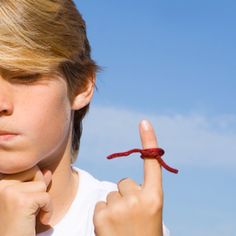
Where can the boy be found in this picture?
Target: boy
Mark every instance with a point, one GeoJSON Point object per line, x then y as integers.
{"type": "Point", "coordinates": [47, 80]}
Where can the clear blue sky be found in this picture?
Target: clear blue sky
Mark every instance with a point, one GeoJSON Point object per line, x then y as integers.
{"type": "Point", "coordinates": [174, 63]}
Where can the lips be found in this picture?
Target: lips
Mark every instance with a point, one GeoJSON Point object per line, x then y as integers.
{"type": "Point", "coordinates": [6, 136]}
{"type": "Point", "coordinates": [3, 132]}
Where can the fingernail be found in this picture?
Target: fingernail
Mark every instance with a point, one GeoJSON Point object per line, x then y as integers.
{"type": "Point", "coordinates": [145, 124]}
{"type": "Point", "coordinates": [122, 180]}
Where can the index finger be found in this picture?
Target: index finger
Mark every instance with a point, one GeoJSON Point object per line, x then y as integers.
{"type": "Point", "coordinates": [33, 174]}
{"type": "Point", "coordinates": [152, 168]}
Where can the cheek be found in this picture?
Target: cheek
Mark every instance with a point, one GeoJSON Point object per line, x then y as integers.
{"type": "Point", "coordinates": [49, 126]}
{"type": "Point", "coordinates": [43, 118]}
{"type": "Point", "coordinates": [53, 126]}
{"type": "Point", "coordinates": [44, 137]}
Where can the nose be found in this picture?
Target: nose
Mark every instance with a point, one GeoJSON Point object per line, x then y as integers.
{"type": "Point", "coordinates": [6, 105]}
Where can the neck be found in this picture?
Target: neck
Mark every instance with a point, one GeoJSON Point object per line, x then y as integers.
{"type": "Point", "coordinates": [63, 177]}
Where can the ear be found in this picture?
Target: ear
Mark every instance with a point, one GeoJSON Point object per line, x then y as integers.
{"type": "Point", "coordinates": [83, 98]}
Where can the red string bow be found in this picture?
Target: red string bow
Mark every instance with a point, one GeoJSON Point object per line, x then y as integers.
{"type": "Point", "coordinates": [147, 153]}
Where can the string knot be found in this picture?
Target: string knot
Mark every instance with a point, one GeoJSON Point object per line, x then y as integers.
{"type": "Point", "coordinates": [156, 153]}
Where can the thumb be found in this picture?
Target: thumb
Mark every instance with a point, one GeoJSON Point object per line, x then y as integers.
{"type": "Point", "coordinates": [47, 174]}
{"type": "Point", "coordinates": [46, 214]}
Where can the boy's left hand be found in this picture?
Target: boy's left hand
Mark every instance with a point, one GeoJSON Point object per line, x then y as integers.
{"type": "Point", "coordinates": [134, 210]}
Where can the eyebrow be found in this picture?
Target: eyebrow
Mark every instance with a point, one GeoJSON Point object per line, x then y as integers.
{"type": "Point", "coordinates": [9, 73]}
{"type": "Point", "coordinates": [25, 74]}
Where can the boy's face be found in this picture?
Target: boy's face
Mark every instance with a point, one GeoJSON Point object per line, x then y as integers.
{"type": "Point", "coordinates": [40, 113]}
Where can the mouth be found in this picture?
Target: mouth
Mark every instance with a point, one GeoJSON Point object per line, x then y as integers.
{"type": "Point", "coordinates": [7, 137]}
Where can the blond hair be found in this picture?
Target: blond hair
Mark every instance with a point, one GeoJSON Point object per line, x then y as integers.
{"type": "Point", "coordinates": [48, 37]}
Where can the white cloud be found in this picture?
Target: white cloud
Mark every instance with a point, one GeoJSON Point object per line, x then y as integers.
{"type": "Point", "coordinates": [187, 139]}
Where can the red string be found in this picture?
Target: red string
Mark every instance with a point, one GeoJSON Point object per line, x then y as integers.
{"type": "Point", "coordinates": [147, 153]}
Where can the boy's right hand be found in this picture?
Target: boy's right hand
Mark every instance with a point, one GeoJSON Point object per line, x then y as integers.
{"type": "Point", "coordinates": [22, 196]}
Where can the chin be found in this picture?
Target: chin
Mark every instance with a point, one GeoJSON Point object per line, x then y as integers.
{"type": "Point", "coordinates": [13, 162]}
{"type": "Point", "coordinates": [13, 169]}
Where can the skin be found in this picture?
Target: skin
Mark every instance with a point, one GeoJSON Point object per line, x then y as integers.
{"type": "Point", "coordinates": [134, 209]}
{"type": "Point", "coordinates": [29, 109]}
{"type": "Point", "coordinates": [35, 166]}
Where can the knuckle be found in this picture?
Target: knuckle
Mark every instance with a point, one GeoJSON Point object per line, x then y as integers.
{"type": "Point", "coordinates": [116, 212]}
{"type": "Point", "coordinates": [128, 179]}
{"type": "Point", "coordinates": [12, 196]}
{"type": "Point", "coordinates": [99, 207]}
{"type": "Point", "coordinates": [133, 202]}
{"type": "Point", "coordinates": [154, 204]}
{"type": "Point", "coordinates": [42, 186]}
{"type": "Point", "coordinates": [47, 197]}
{"type": "Point", "coordinates": [124, 180]}
{"type": "Point", "coordinates": [110, 194]}
{"type": "Point", "coordinates": [100, 217]}
{"type": "Point", "coordinates": [8, 192]}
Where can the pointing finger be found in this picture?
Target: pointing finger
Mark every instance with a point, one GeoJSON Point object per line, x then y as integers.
{"type": "Point", "coordinates": [152, 168]}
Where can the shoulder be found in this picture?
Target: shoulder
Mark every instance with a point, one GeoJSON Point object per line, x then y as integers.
{"type": "Point", "coordinates": [91, 185]}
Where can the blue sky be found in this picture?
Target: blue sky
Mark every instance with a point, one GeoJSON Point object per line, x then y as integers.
{"type": "Point", "coordinates": [174, 63]}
